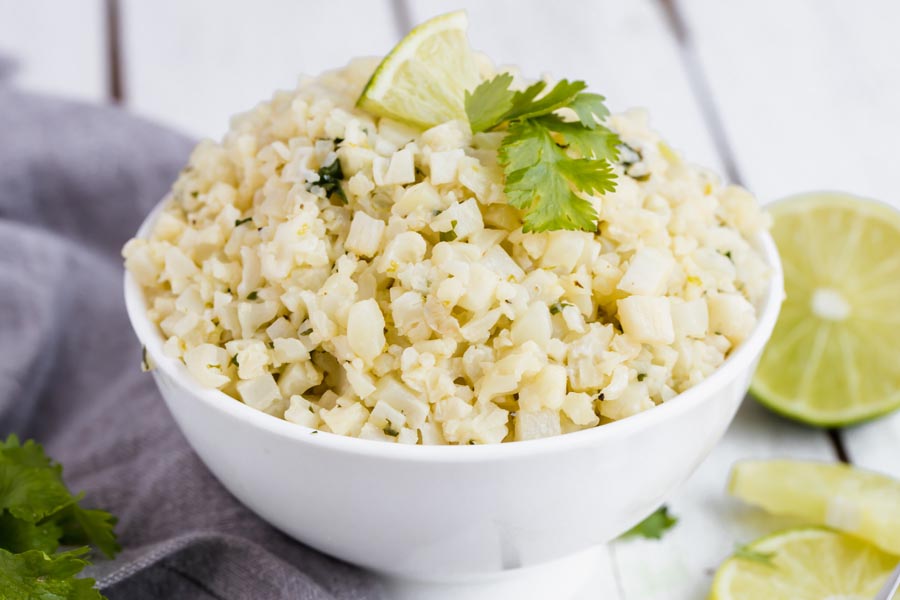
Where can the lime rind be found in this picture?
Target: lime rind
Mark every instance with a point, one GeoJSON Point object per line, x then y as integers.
{"type": "Point", "coordinates": [786, 408]}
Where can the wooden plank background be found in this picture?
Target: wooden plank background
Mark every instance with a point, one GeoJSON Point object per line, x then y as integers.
{"type": "Point", "coordinates": [193, 64]}
{"type": "Point", "coordinates": [783, 96]}
{"type": "Point", "coordinates": [56, 47]}
{"type": "Point", "coordinates": [807, 92]}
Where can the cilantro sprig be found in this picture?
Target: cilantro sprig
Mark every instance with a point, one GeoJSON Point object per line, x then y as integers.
{"type": "Point", "coordinates": [654, 526]}
{"type": "Point", "coordinates": [36, 574]}
{"type": "Point", "coordinates": [745, 552]}
{"type": "Point", "coordinates": [547, 159]}
{"type": "Point", "coordinates": [38, 514]}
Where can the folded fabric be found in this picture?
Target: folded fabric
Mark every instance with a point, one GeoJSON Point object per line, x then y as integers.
{"type": "Point", "coordinates": [75, 183]}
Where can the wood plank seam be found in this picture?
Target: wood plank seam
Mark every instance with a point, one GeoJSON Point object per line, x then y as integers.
{"type": "Point", "coordinates": [617, 575]}
{"type": "Point", "coordinates": [837, 440]}
{"type": "Point", "coordinates": [402, 16]}
{"type": "Point", "coordinates": [114, 51]}
{"type": "Point", "coordinates": [701, 89]}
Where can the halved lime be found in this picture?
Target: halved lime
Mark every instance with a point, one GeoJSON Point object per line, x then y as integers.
{"type": "Point", "coordinates": [809, 563]}
{"type": "Point", "coordinates": [833, 358]}
{"type": "Point", "coordinates": [857, 502]}
{"type": "Point", "coordinates": [424, 79]}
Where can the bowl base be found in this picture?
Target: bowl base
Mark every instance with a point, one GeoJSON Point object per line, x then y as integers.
{"type": "Point", "coordinates": [573, 577]}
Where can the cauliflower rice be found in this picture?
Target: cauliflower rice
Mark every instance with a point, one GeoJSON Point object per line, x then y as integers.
{"type": "Point", "coordinates": [419, 312]}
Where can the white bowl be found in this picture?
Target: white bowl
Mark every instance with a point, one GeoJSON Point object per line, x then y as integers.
{"type": "Point", "coordinates": [452, 514]}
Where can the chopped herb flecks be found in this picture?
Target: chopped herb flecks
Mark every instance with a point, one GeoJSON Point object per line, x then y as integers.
{"type": "Point", "coordinates": [330, 177]}
{"type": "Point", "coordinates": [449, 236]}
{"type": "Point", "coordinates": [389, 429]}
{"type": "Point", "coordinates": [558, 307]}
{"type": "Point", "coordinates": [629, 155]}
{"type": "Point", "coordinates": [145, 360]}
{"type": "Point", "coordinates": [240, 222]}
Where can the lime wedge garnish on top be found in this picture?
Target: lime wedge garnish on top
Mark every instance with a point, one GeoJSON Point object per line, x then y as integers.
{"type": "Point", "coordinates": [834, 358]}
{"type": "Point", "coordinates": [861, 503]}
{"type": "Point", "coordinates": [424, 79]}
{"type": "Point", "coordinates": [808, 563]}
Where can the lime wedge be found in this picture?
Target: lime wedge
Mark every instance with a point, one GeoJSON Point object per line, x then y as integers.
{"type": "Point", "coordinates": [857, 502]}
{"type": "Point", "coordinates": [424, 79]}
{"type": "Point", "coordinates": [833, 358]}
{"type": "Point", "coordinates": [808, 563]}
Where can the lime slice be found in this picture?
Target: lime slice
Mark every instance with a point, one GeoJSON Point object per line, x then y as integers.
{"type": "Point", "coordinates": [858, 502]}
{"type": "Point", "coordinates": [808, 563]}
{"type": "Point", "coordinates": [833, 358]}
{"type": "Point", "coordinates": [424, 78]}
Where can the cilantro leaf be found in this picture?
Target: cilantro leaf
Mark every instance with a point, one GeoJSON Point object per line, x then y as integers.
{"type": "Point", "coordinates": [548, 161]}
{"type": "Point", "coordinates": [492, 103]}
{"type": "Point", "coordinates": [88, 527]}
{"type": "Point", "coordinates": [745, 552]}
{"type": "Point", "coordinates": [35, 574]}
{"type": "Point", "coordinates": [654, 526]}
{"type": "Point", "coordinates": [488, 104]}
{"type": "Point", "coordinates": [37, 511]}
{"type": "Point", "coordinates": [589, 176]}
{"type": "Point", "coordinates": [37, 514]}
{"type": "Point", "coordinates": [17, 535]}
{"type": "Point", "coordinates": [31, 486]}
{"type": "Point", "coordinates": [554, 206]}
{"type": "Point", "coordinates": [590, 109]}
{"type": "Point", "coordinates": [536, 184]}
{"type": "Point", "coordinates": [540, 177]}
{"type": "Point", "coordinates": [526, 107]}
{"type": "Point", "coordinates": [598, 143]}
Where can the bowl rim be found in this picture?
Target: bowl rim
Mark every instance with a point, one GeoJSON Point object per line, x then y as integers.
{"type": "Point", "coordinates": [741, 359]}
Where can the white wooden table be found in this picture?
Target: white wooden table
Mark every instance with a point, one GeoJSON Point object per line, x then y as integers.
{"type": "Point", "coordinates": [782, 96]}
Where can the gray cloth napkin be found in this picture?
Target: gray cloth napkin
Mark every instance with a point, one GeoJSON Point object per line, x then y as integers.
{"type": "Point", "coordinates": [75, 182]}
